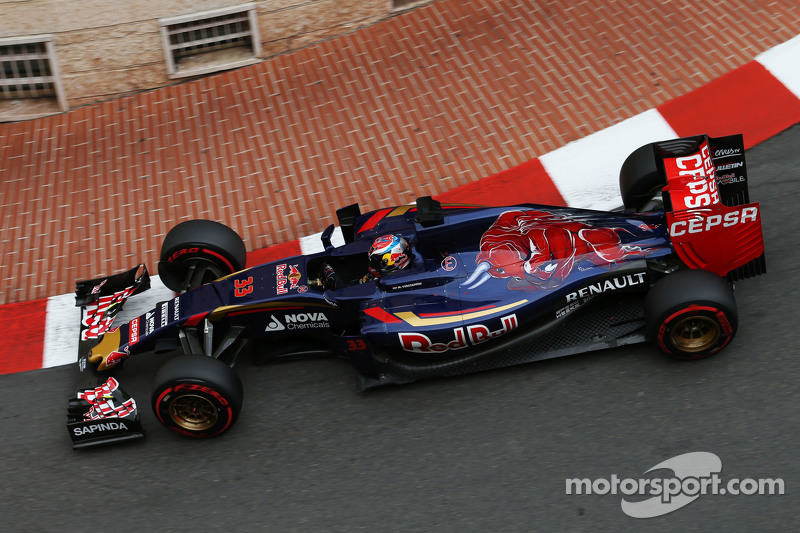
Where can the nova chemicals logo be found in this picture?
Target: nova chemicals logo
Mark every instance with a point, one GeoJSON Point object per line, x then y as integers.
{"type": "Point", "coordinates": [298, 321]}
{"type": "Point", "coordinates": [274, 324]}
{"type": "Point", "coordinates": [306, 321]}
{"type": "Point", "coordinates": [690, 476]}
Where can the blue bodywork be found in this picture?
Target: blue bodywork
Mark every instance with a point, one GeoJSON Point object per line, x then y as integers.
{"type": "Point", "coordinates": [482, 279]}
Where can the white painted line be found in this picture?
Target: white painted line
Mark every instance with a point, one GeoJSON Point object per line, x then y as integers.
{"type": "Point", "coordinates": [783, 62]}
{"type": "Point", "coordinates": [61, 331]}
{"type": "Point", "coordinates": [586, 172]}
{"type": "Point", "coordinates": [313, 243]}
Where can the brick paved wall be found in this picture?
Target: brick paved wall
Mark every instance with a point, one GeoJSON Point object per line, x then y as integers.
{"type": "Point", "coordinates": [109, 48]}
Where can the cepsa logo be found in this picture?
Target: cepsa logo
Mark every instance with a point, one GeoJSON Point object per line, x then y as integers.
{"type": "Point", "coordinates": [699, 178]}
{"type": "Point", "coordinates": [474, 335]}
{"type": "Point", "coordinates": [134, 331]}
{"type": "Point", "coordinates": [701, 221]}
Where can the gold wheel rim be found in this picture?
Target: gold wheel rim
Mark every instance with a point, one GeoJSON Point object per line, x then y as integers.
{"type": "Point", "coordinates": [193, 413]}
{"type": "Point", "coordinates": [695, 334]}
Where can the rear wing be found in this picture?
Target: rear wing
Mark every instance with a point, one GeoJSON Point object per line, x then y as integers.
{"type": "Point", "coordinates": [712, 223]}
{"type": "Point", "coordinates": [702, 170]}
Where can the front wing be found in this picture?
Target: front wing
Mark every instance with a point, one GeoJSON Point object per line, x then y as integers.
{"type": "Point", "coordinates": [101, 412]}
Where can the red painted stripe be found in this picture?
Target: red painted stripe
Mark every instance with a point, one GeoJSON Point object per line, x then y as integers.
{"type": "Point", "coordinates": [382, 315]}
{"type": "Point", "coordinates": [273, 253]}
{"type": "Point", "coordinates": [374, 219]}
{"type": "Point", "coordinates": [22, 336]}
{"type": "Point", "coordinates": [748, 100]}
{"type": "Point", "coordinates": [525, 183]}
{"type": "Point", "coordinates": [195, 319]}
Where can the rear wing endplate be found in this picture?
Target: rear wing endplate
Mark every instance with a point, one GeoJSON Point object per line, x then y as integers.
{"type": "Point", "coordinates": [712, 223]}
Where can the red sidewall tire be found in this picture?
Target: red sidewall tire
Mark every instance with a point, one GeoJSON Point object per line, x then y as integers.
{"type": "Point", "coordinates": [197, 396]}
{"type": "Point", "coordinates": [217, 248]}
{"type": "Point", "coordinates": [691, 318]}
{"type": "Point", "coordinates": [206, 234]}
{"type": "Point", "coordinates": [691, 314]}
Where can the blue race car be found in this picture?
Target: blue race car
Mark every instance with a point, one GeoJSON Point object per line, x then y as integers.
{"type": "Point", "coordinates": [427, 290]}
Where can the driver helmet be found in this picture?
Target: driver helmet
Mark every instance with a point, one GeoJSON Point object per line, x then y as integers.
{"type": "Point", "coordinates": [389, 253]}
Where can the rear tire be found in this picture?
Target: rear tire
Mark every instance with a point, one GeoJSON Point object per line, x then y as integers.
{"type": "Point", "coordinates": [197, 396]}
{"type": "Point", "coordinates": [197, 252]}
{"type": "Point", "coordinates": [691, 314]}
{"type": "Point", "coordinates": [639, 178]}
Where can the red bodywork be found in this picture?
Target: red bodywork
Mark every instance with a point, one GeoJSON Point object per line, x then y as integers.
{"type": "Point", "coordinates": [706, 234]}
{"type": "Point", "coordinates": [541, 248]}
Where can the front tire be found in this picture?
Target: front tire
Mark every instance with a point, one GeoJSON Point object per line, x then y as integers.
{"type": "Point", "coordinates": [197, 252]}
{"type": "Point", "coordinates": [691, 314]}
{"type": "Point", "coordinates": [197, 396]}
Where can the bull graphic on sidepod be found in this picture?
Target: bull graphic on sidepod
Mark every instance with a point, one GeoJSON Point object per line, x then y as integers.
{"type": "Point", "coordinates": [537, 250]}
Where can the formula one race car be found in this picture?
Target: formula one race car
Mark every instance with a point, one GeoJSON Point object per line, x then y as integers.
{"type": "Point", "coordinates": [434, 290]}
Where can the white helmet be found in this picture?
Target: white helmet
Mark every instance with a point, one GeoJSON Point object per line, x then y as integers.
{"type": "Point", "coordinates": [389, 253]}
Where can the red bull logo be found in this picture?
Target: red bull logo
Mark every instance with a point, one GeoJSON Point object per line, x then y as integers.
{"type": "Point", "coordinates": [294, 277]}
{"type": "Point", "coordinates": [537, 250]}
{"type": "Point", "coordinates": [115, 357]}
{"type": "Point", "coordinates": [462, 337]}
{"type": "Point", "coordinates": [281, 279]}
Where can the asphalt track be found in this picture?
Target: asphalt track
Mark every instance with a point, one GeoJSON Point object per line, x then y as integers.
{"type": "Point", "coordinates": [483, 452]}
